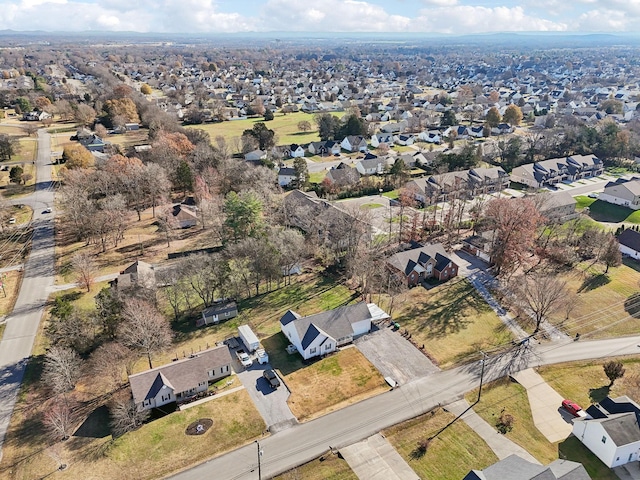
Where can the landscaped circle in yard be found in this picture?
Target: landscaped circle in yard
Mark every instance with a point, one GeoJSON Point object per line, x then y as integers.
{"type": "Point", "coordinates": [199, 427]}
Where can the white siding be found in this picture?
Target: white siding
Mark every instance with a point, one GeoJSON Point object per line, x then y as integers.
{"type": "Point", "coordinates": [629, 251]}
{"type": "Point", "coordinates": [361, 327]}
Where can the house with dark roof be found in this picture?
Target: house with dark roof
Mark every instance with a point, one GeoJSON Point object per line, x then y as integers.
{"type": "Point", "coordinates": [423, 262]}
{"type": "Point", "coordinates": [181, 379]}
{"type": "Point", "coordinates": [517, 468]}
{"type": "Point", "coordinates": [324, 332]}
{"type": "Point", "coordinates": [556, 170]}
{"type": "Point", "coordinates": [611, 431]}
{"type": "Point", "coordinates": [629, 243]}
{"type": "Point", "coordinates": [343, 175]}
{"type": "Point", "coordinates": [371, 165]}
{"type": "Point", "coordinates": [184, 216]}
{"type": "Point", "coordinates": [625, 192]}
{"type": "Point", "coordinates": [286, 176]}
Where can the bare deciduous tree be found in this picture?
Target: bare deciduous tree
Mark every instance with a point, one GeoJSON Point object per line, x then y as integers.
{"type": "Point", "coordinates": [126, 416]}
{"type": "Point", "coordinates": [143, 328]}
{"type": "Point", "coordinates": [540, 294]}
{"type": "Point", "coordinates": [85, 270]}
{"type": "Point", "coordinates": [61, 369]}
{"type": "Point", "coordinates": [58, 419]}
{"type": "Point", "coordinates": [111, 362]}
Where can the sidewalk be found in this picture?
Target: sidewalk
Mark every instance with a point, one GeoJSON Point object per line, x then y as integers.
{"type": "Point", "coordinates": [545, 405]}
{"type": "Point", "coordinates": [376, 459]}
{"type": "Point", "coordinates": [67, 286]}
{"type": "Point", "coordinates": [500, 444]}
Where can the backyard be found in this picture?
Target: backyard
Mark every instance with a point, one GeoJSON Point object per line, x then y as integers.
{"type": "Point", "coordinates": [451, 320]}
{"type": "Point", "coordinates": [602, 211]}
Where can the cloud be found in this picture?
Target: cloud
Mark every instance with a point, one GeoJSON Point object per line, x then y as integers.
{"type": "Point", "coordinates": [440, 3]}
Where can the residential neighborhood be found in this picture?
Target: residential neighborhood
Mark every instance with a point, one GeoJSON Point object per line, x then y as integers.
{"type": "Point", "coordinates": [319, 257]}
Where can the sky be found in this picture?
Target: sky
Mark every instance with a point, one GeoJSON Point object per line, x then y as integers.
{"type": "Point", "coordinates": [222, 16]}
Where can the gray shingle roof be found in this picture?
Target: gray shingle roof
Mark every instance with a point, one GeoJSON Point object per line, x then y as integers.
{"type": "Point", "coordinates": [516, 468]}
{"type": "Point", "coordinates": [630, 238]}
{"type": "Point", "coordinates": [405, 261]}
{"type": "Point", "coordinates": [181, 375]}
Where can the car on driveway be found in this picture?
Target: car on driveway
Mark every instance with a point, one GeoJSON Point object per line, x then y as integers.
{"type": "Point", "coordinates": [271, 377]}
{"type": "Point", "coordinates": [573, 408]}
{"type": "Point", "coordinates": [47, 210]}
{"type": "Point", "coordinates": [593, 195]}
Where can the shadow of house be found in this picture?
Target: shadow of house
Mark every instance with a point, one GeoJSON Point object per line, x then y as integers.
{"type": "Point", "coordinates": [96, 425]}
{"type": "Point", "coordinates": [594, 281]}
{"type": "Point", "coordinates": [632, 305]}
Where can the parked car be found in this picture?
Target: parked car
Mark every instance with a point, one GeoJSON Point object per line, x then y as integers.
{"type": "Point", "coordinates": [593, 195]}
{"type": "Point", "coordinates": [244, 358]}
{"type": "Point", "coordinates": [47, 210]}
{"type": "Point", "coordinates": [272, 378]}
{"type": "Point", "coordinates": [573, 408]}
{"type": "Point", "coordinates": [12, 220]}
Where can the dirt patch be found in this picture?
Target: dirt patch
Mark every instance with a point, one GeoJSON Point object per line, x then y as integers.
{"type": "Point", "coordinates": [199, 427]}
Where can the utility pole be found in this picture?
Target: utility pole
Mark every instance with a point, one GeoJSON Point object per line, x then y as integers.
{"type": "Point", "coordinates": [484, 358]}
{"type": "Point", "coordinates": [259, 465]}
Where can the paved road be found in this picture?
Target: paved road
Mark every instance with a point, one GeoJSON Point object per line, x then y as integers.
{"type": "Point", "coordinates": [22, 324]}
{"type": "Point", "coordinates": [304, 442]}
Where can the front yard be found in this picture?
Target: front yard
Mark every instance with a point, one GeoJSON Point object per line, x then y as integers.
{"type": "Point", "coordinates": [328, 467]}
{"type": "Point", "coordinates": [11, 282]}
{"type": "Point", "coordinates": [451, 320]}
{"type": "Point", "coordinates": [332, 383]}
{"type": "Point", "coordinates": [449, 456]}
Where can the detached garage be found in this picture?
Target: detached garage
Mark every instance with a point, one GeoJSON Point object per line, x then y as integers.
{"type": "Point", "coordinates": [630, 243]}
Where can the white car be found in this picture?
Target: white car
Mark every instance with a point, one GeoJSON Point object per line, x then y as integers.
{"type": "Point", "coordinates": [12, 220]}
{"type": "Point", "coordinates": [47, 210]}
{"type": "Point", "coordinates": [593, 195]}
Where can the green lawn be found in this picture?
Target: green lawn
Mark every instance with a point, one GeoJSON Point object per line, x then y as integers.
{"type": "Point", "coordinates": [607, 305]}
{"type": "Point", "coordinates": [371, 206]}
{"type": "Point", "coordinates": [602, 211]}
{"type": "Point", "coordinates": [284, 125]}
{"type": "Point", "coordinates": [452, 320]}
{"type": "Point", "coordinates": [317, 177]}
{"type": "Point", "coordinates": [450, 456]}
{"type": "Point", "coordinates": [393, 194]}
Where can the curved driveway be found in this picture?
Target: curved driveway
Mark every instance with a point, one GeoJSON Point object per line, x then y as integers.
{"type": "Point", "coordinates": [22, 324]}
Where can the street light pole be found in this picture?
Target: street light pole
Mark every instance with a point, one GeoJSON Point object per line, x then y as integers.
{"type": "Point", "coordinates": [259, 466]}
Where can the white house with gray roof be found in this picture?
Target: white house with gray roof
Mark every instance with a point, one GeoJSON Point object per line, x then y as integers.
{"type": "Point", "coordinates": [323, 333]}
{"type": "Point", "coordinates": [611, 431]}
{"type": "Point", "coordinates": [625, 192]}
{"type": "Point", "coordinates": [514, 467]}
{"type": "Point", "coordinates": [181, 379]}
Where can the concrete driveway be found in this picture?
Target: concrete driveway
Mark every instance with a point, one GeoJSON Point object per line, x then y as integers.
{"type": "Point", "coordinates": [545, 405]}
{"type": "Point", "coordinates": [376, 459]}
{"type": "Point", "coordinates": [272, 404]}
{"type": "Point", "coordinates": [394, 356]}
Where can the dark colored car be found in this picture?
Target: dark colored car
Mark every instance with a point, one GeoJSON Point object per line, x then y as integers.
{"type": "Point", "coordinates": [272, 378]}
{"type": "Point", "coordinates": [572, 407]}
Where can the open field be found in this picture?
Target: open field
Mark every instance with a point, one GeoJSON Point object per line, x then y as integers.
{"type": "Point", "coordinates": [11, 282]}
{"type": "Point", "coordinates": [13, 190]}
{"type": "Point", "coordinates": [327, 467]}
{"type": "Point", "coordinates": [27, 151]}
{"type": "Point", "coordinates": [450, 456]}
{"type": "Point", "coordinates": [129, 139]}
{"type": "Point", "coordinates": [285, 126]}
{"type": "Point", "coordinates": [332, 383]}
{"type": "Point", "coordinates": [451, 320]}
{"type": "Point", "coordinates": [156, 449]}
{"type": "Point", "coordinates": [602, 211]}
{"type": "Point", "coordinates": [509, 397]}
{"type": "Point", "coordinates": [607, 305]}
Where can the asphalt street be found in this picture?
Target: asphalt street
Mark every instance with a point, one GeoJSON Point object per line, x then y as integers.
{"type": "Point", "coordinates": [302, 443]}
{"type": "Point", "coordinates": [22, 324]}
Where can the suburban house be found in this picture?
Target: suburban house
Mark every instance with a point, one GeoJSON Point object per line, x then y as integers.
{"type": "Point", "coordinates": [404, 140]}
{"type": "Point", "coordinates": [476, 131]}
{"type": "Point", "coordinates": [35, 116]}
{"type": "Point", "coordinates": [286, 175]}
{"type": "Point", "coordinates": [295, 151]}
{"type": "Point", "coordinates": [255, 156]}
{"type": "Point", "coordinates": [430, 136]}
{"type": "Point", "coordinates": [629, 241]}
{"type": "Point", "coordinates": [354, 143]}
{"type": "Point", "coordinates": [139, 273]}
{"type": "Point", "coordinates": [422, 262]}
{"type": "Point", "coordinates": [464, 184]}
{"type": "Point", "coordinates": [558, 207]}
{"type": "Point", "coordinates": [625, 192]}
{"type": "Point", "coordinates": [324, 148]}
{"type": "Point", "coordinates": [480, 245]}
{"type": "Point", "coordinates": [93, 143]}
{"type": "Point", "coordinates": [371, 165]}
{"type": "Point", "coordinates": [379, 138]}
{"type": "Point", "coordinates": [181, 379]}
{"type": "Point", "coordinates": [183, 216]}
{"type": "Point", "coordinates": [343, 175]}
{"type": "Point", "coordinates": [323, 333]}
{"type": "Point", "coordinates": [556, 170]}
{"type": "Point", "coordinates": [217, 313]}
{"type": "Point", "coordinates": [514, 467]}
{"type": "Point", "coordinates": [611, 431]}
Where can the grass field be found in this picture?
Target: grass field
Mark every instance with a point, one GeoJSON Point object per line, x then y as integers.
{"type": "Point", "coordinates": [452, 321]}
{"type": "Point", "coordinates": [606, 305]}
{"type": "Point", "coordinates": [27, 151]}
{"type": "Point", "coordinates": [128, 139]}
{"type": "Point", "coordinates": [450, 456]}
{"type": "Point", "coordinates": [327, 467]}
{"type": "Point", "coordinates": [11, 282]}
{"type": "Point", "coordinates": [334, 382]}
{"type": "Point", "coordinates": [156, 449]}
{"type": "Point", "coordinates": [284, 125]}
{"type": "Point", "coordinates": [602, 211]}
{"type": "Point", "coordinates": [13, 190]}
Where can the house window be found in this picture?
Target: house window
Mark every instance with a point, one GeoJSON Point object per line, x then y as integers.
{"type": "Point", "coordinates": [313, 350]}
{"type": "Point", "coordinates": [226, 368]}
{"type": "Point", "coordinates": [604, 439]}
{"type": "Point", "coordinates": [327, 346]}
{"type": "Point", "coordinates": [226, 314]}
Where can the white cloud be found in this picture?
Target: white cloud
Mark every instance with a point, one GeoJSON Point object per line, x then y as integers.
{"type": "Point", "coordinates": [440, 3]}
